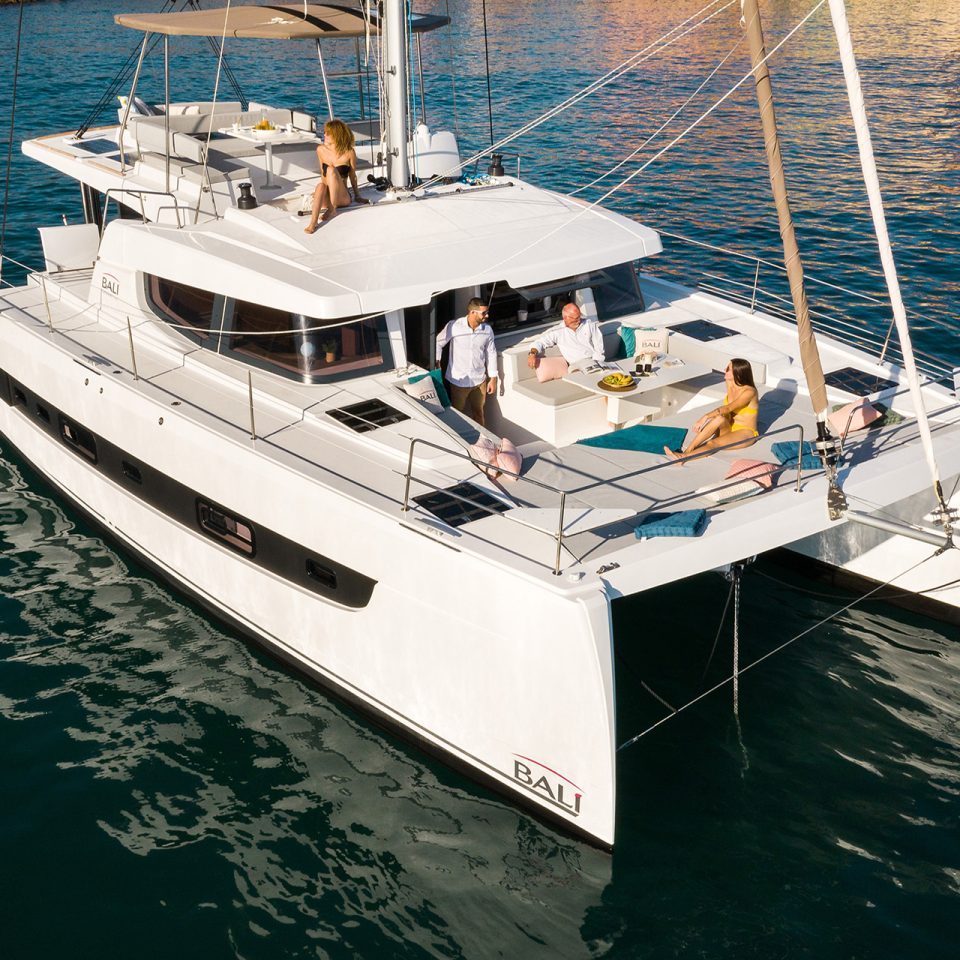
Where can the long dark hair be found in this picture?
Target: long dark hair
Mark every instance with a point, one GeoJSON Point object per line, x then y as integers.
{"type": "Point", "coordinates": [742, 372]}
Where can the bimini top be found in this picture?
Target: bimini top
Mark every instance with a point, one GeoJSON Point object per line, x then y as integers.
{"type": "Point", "coordinates": [283, 21]}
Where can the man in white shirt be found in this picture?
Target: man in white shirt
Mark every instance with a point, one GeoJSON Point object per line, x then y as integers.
{"type": "Point", "coordinates": [578, 339]}
{"type": "Point", "coordinates": [472, 367]}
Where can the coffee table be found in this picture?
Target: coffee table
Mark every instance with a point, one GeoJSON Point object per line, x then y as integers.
{"type": "Point", "coordinates": [667, 370]}
{"type": "Point", "coordinates": [276, 137]}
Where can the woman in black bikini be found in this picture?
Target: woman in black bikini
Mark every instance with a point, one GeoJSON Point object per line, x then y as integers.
{"type": "Point", "coordinates": [338, 163]}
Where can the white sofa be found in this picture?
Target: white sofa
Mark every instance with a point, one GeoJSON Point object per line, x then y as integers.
{"type": "Point", "coordinates": [557, 411]}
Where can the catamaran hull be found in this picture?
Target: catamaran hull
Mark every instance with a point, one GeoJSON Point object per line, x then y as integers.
{"type": "Point", "coordinates": [511, 682]}
{"type": "Point", "coordinates": [914, 574]}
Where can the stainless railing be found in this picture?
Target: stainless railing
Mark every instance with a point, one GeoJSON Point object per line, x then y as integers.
{"type": "Point", "coordinates": [852, 332]}
{"type": "Point", "coordinates": [140, 194]}
{"type": "Point", "coordinates": [558, 537]}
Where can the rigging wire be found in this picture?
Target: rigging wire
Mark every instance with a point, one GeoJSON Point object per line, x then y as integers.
{"type": "Point", "coordinates": [227, 69]}
{"type": "Point", "coordinates": [453, 76]}
{"type": "Point", "coordinates": [770, 653]}
{"type": "Point", "coordinates": [647, 53]}
{"type": "Point", "coordinates": [587, 208]}
{"type": "Point", "coordinates": [486, 54]}
{"type": "Point", "coordinates": [869, 298]}
{"type": "Point", "coordinates": [663, 126]}
{"type": "Point", "coordinates": [13, 114]}
{"type": "Point", "coordinates": [118, 78]}
{"type": "Point", "coordinates": [838, 595]}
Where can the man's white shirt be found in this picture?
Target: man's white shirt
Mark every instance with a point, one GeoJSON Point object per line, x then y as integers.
{"type": "Point", "coordinates": [473, 356]}
{"type": "Point", "coordinates": [586, 342]}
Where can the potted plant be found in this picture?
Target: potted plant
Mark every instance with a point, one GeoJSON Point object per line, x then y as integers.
{"type": "Point", "coordinates": [329, 347]}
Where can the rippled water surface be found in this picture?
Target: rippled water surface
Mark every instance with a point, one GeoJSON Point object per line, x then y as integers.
{"type": "Point", "coordinates": [168, 792]}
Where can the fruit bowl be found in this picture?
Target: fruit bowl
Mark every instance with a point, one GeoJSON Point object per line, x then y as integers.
{"type": "Point", "coordinates": [616, 382]}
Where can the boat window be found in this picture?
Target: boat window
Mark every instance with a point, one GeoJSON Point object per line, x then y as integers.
{"type": "Point", "coordinates": [616, 291]}
{"type": "Point", "coordinates": [303, 347]}
{"type": "Point", "coordinates": [530, 306]}
{"type": "Point", "coordinates": [235, 533]}
{"type": "Point", "coordinates": [180, 305]}
{"type": "Point", "coordinates": [131, 471]}
{"type": "Point", "coordinates": [79, 438]}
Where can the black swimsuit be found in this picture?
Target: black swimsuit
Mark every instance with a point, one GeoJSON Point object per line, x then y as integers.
{"type": "Point", "coordinates": [343, 170]}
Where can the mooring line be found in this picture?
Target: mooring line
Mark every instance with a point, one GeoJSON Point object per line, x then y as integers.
{"type": "Point", "coordinates": [770, 653]}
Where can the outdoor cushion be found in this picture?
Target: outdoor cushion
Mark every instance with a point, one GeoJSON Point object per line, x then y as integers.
{"type": "Point", "coordinates": [508, 458]}
{"type": "Point", "coordinates": [758, 470]}
{"type": "Point", "coordinates": [628, 343]}
{"type": "Point", "coordinates": [860, 414]}
{"type": "Point", "coordinates": [683, 523]}
{"type": "Point", "coordinates": [551, 368]}
{"type": "Point", "coordinates": [424, 390]}
{"type": "Point", "coordinates": [642, 437]}
{"type": "Point", "coordinates": [731, 491]}
{"type": "Point", "coordinates": [786, 453]}
{"type": "Point", "coordinates": [441, 390]}
{"type": "Point", "coordinates": [485, 450]}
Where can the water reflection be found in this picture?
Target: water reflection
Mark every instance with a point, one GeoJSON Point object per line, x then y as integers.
{"type": "Point", "coordinates": [329, 828]}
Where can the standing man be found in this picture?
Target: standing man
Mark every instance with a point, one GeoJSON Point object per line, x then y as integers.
{"type": "Point", "coordinates": [472, 368]}
{"type": "Point", "coordinates": [578, 339]}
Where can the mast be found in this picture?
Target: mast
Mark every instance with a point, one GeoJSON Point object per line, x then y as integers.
{"type": "Point", "coordinates": [394, 26]}
{"type": "Point", "coordinates": [809, 355]}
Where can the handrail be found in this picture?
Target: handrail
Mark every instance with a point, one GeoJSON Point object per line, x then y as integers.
{"type": "Point", "coordinates": [484, 465]}
{"type": "Point", "coordinates": [141, 194]}
{"type": "Point", "coordinates": [863, 336]}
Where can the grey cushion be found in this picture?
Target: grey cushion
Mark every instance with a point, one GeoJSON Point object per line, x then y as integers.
{"type": "Point", "coordinates": [553, 393]}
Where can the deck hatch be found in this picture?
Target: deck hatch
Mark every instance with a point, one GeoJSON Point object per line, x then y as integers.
{"type": "Point", "coordinates": [367, 415]}
{"type": "Point", "coordinates": [99, 146]}
{"type": "Point", "coordinates": [703, 330]}
{"type": "Point", "coordinates": [460, 504]}
{"type": "Point", "coordinates": [858, 382]}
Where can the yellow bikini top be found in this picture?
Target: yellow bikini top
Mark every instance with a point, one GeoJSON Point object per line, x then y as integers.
{"type": "Point", "coordinates": [748, 409]}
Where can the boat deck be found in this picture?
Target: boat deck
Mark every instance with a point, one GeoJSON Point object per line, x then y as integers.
{"type": "Point", "coordinates": [606, 491]}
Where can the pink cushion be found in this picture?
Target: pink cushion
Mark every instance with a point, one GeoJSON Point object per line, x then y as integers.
{"type": "Point", "coordinates": [508, 458]}
{"type": "Point", "coordinates": [485, 450]}
{"type": "Point", "coordinates": [758, 470]}
{"type": "Point", "coordinates": [551, 368]}
{"type": "Point", "coordinates": [864, 413]}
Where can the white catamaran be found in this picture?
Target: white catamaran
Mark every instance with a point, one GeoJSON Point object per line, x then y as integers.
{"type": "Point", "coordinates": [241, 405]}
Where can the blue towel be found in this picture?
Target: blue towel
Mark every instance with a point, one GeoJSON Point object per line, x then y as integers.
{"type": "Point", "coordinates": [683, 523]}
{"type": "Point", "coordinates": [643, 437]}
{"type": "Point", "coordinates": [786, 453]}
{"type": "Point", "coordinates": [437, 375]}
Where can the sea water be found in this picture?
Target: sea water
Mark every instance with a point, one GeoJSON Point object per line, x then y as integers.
{"type": "Point", "coordinates": [167, 791]}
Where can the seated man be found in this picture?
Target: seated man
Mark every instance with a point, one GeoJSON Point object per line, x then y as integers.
{"type": "Point", "coordinates": [578, 339]}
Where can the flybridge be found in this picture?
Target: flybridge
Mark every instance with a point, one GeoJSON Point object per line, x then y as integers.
{"type": "Point", "coordinates": [390, 254]}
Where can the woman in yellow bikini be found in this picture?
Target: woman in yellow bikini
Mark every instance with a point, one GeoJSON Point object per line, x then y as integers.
{"type": "Point", "coordinates": [736, 415]}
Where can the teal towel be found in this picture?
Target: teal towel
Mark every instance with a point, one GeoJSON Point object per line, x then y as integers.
{"type": "Point", "coordinates": [642, 437]}
{"type": "Point", "coordinates": [437, 375]}
{"type": "Point", "coordinates": [628, 343]}
{"type": "Point", "coordinates": [786, 453]}
{"type": "Point", "coordinates": [683, 523]}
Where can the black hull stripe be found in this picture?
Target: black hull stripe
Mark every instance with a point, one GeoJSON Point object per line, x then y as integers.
{"type": "Point", "coordinates": [343, 694]}
{"type": "Point", "coordinates": [273, 552]}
